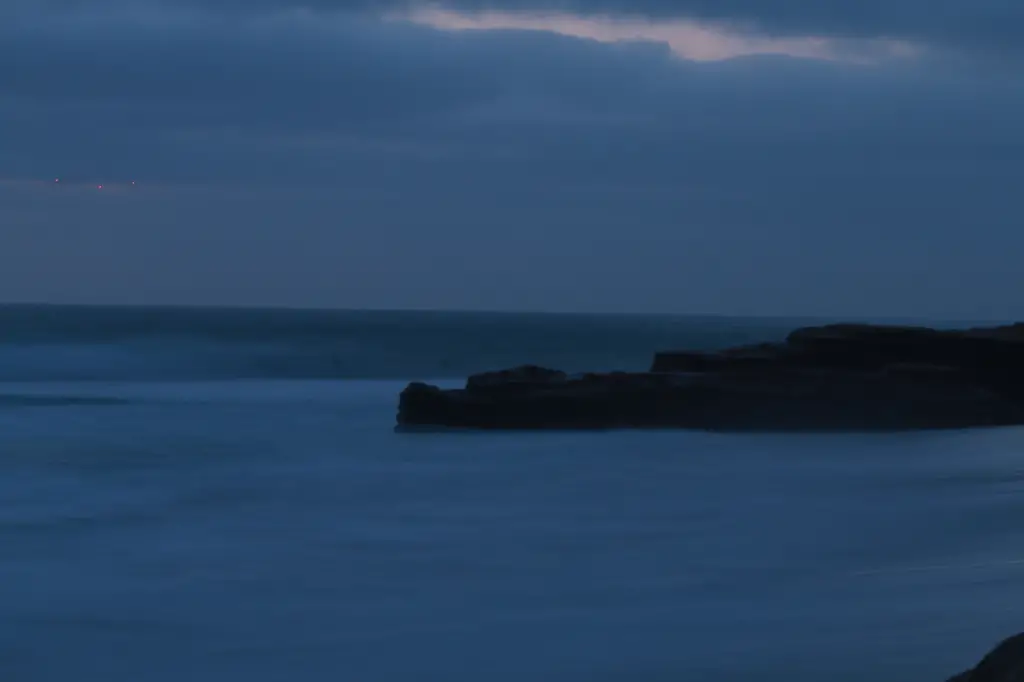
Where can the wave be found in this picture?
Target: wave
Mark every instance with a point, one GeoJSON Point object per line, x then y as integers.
{"type": "Point", "coordinates": [196, 360]}
{"type": "Point", "coordinates": [9, 400]}
{"type": "Point", "coordinates": [48, 343]}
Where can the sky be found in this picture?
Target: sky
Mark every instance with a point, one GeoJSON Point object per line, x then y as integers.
{"type": "Point", "coordinates": [739, 157]}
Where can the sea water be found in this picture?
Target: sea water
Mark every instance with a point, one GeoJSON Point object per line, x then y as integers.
{"type": "Point", "coordinates": [219, 495]}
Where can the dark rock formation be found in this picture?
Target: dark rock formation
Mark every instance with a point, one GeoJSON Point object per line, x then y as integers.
{"type": "Point", "coordinates": [992, 356]}
{"type": "Point", "coordinates": [1005, 663]}
{"type": "Point", "coordinates": [837, 377]}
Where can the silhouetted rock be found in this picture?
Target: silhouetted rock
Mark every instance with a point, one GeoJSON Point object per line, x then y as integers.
{"type": "Point", "coordinates": [525, 377]}
{"type": "Point", "coordinates": [990, 354]}
{"type": "Point", "coordinates": [1005, 663]}
{"type": "Point", "coordinates": [836, 377]}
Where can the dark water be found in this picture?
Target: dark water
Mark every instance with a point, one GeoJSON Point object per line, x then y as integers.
{"type": "Point", "coordinates": [218, 495]}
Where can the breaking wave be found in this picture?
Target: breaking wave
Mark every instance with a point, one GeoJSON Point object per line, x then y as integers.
{"type": "Point", "coordinates": [57, 343]}
{"type": "Point", "coordinates": [73, 343]}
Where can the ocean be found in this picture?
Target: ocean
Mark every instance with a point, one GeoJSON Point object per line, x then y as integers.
{"type": "Point", "coordinates": [213, 494]}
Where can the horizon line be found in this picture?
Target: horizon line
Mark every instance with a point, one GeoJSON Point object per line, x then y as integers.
{"type": "Point", "coordinates": [878, 319]}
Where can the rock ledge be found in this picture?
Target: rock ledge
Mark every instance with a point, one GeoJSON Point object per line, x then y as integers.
{"type": "Point", "coordinates": [835, 377]}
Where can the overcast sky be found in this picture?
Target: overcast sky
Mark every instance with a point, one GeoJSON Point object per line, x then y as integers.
{"type": "Point", "coordinates": [771, 157]}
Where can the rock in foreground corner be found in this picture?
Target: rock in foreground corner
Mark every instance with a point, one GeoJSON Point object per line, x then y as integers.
{"type": "Point", "coordinates": [1005, 663]}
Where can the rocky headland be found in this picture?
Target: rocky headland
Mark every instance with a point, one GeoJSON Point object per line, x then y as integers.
{"type": "Point", "coordinates": [845, 377]}
{"type": "Point", "coordinates": [1005, 663]}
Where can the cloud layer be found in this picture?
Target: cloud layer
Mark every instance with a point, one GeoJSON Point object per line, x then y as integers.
{"type": "Point", "coordinates": [978, 24]}
{"type": "Point", "coordinates": [987, 25]}
{"type": "Point", "coordinates": [348, 158]}
{"type": "Point", "coordinates": [149, 93]}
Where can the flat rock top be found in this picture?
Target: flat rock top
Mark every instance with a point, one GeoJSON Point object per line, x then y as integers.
{"type": "Point", "coordinates": [867, 332]}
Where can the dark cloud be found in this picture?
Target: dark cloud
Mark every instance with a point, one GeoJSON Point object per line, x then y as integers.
{"type": "Point", "coordinates": [336, 159]}
{"type": "Point", "coordinates": [316, 98]}
{"type": "Point", "coordinates": [980, 24]}
{"type": "Point", "coordinates": [985, 25]}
